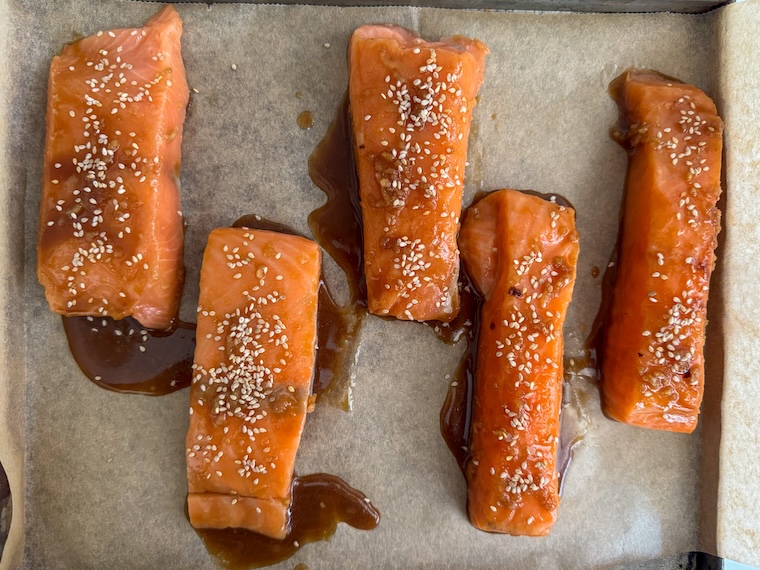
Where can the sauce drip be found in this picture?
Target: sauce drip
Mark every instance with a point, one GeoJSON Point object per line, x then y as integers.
{"type": "Point", "coordinates": [320, 502]}
{"type": "Point", "coordinates": [336, 332]}
{"type": "Point", "coordinates": [337, 339]}
{"type": "Point", "coordinates": [456, 412]}
{"type": "Point", "coordinates": [305, 120]}
{"type": "Point", "coordinates": [594, 344]}
{"type": "Point", "coordinates": [337, 227]}
{"type": "Point", "coordinates": [337, 224]}
{"type": "Point", "coordinates": [256, 222]}
{"type": "Point", "coordinates": [550, 197]}
{"type": "Point", "coordinates": [583, 365]}
{"type": "Point", "coordinates": [123, 356]}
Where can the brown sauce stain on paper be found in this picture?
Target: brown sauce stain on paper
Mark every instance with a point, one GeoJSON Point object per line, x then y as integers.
{"type": "Point", "coordinates": [305, 120]}
{"type": "Point", "coordinates": [320, 502]}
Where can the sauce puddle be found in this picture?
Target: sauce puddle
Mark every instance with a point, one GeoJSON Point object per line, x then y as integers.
{"type": "Point", "coordinates": [123, 356]}
{"type": "Point", "coordinates": [320, 502]}
{"type": "Point", "coordinates": [337, 227]}
{"type": "Point", "coordinates": [456, 412]}
{"type": "Point", "coordinates": [337, 224]}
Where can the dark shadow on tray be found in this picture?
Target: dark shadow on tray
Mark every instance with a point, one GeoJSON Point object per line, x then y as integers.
{"type": "Point", "coordinates": [5, 509]}
{"type": "Point", "coordinates": [714, 368]}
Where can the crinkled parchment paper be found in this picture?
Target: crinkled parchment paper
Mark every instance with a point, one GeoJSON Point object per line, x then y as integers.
{"type": "Point", "coordinates": [98, 478]}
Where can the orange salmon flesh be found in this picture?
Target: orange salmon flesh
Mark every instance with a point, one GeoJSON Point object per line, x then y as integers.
{"type": "Point", "coordinates": [653, 357]}
{"type": "Point", "coordinates": [411, 105]}
{"type": "Point", "coordinates": [254, 361]}
{"type": "Point", "coordinates": [521, 252]}
{"type": "Point", "coordinates": [111, 228]}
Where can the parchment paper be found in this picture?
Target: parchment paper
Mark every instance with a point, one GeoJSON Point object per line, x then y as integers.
{"type": "Point", "coordinates": [98, 478]}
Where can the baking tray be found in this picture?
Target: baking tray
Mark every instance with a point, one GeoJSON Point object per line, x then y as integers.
{"type": "Point", "coordinates": [582, 6]}
{"type": "Point", "coordinates": [98, 478]}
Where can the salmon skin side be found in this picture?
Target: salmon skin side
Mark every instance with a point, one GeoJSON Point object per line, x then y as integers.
{"type": "Point", "coordinates": [411, 105]}
{"type": "Point", "coordinates": [253, 367]}
{"type": "Point", "coordinates": [111, 229]}
{"type": "Point", "coordinates": [521, 253]}
{"type": "Point", "coordinates": [653, 357]}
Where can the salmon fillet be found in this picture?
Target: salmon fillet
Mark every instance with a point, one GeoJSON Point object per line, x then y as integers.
{"type": "Point", "coordinates": [411, 104]}
{"type": "Point", "coordinates": [111, 230]}
{"type": "Point", "coordinates": [521, 253]}
{"type": "Point", "coordinates": [653, 358]}
{"type": "Point", "coordinates": [254, 361]}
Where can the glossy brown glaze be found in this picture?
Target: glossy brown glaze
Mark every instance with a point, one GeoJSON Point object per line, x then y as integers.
{"type": "Point", "coordinates": [123, 356]}
{"type": "Point", "coordinates": [549, 197]}
{"type": "Point", "coordinates": [594, 271]}
{"type": "Point", "coordinates": [336, 333]}
{"type": "Point", "coordinates": [594, 344]}
{"type": "Point", "coordinates": [320, 502]}
{"type": "Point", "coordinates": [337, 224]}
{"type": "Point", "coordinates": [337, 227]}
{"type": "Point", "coordinates": [336, 337]}
{"type": "Point", "coordinates": [305, 120]}
{"type": "Point", "coordinates": [256, 222]}
{"type": "Point", "coordinates": [457, 407]}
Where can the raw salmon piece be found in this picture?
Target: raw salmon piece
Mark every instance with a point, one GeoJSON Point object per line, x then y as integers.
{"type": "Point", "coordinates": [521, 253]}
{"type": "Point", "coordinates": [411, 105]}
{"type": "Point", "coordinates": [254, 361]}
{"type": "Point", "coordinates": [653, 360]}
{"type": "Point", "coordinates": [111, 230]}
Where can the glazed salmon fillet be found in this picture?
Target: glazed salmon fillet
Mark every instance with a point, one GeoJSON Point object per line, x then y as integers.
{"type": "Point", "coordinates": [521, 253]}
{"type": "Point", "coordinates": [411, 105]}
{"type": "Point", "coordinates": [653, 360]}
{"type": "Point", "coordinates": [253, 367]}
{"type": "Point", "coordinates": [111, 229]}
